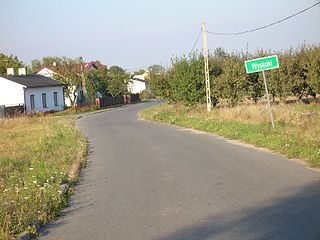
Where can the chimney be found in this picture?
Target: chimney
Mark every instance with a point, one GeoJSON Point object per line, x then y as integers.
{"type": "Point", "coordinates": [22, 71]}
{"type": "Point", "coordinates": [10, 71]}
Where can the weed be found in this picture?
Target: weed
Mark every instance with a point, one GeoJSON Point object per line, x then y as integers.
{"type": "Point", "coordinates": [35, 158]}
{"type": "Point", "coordinates": [297, 133]}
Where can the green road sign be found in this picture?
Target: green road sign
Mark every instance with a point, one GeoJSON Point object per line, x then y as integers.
{"type": "Point", "coordinates": [262, 64]}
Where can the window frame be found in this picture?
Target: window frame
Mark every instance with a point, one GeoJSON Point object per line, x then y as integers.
{"type": "Point", "coordinates": [44, 100]}
{"type": "Point", "coordinates": [32, 102]}
{"type": "Point", "coordinates": [55, 99]}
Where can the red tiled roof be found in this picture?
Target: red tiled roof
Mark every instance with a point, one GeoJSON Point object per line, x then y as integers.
{"type": "Point", "coordinates": [39, 69]}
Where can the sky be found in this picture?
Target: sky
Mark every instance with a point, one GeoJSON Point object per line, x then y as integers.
{"type": "Point", "coordinates": [140, 33]}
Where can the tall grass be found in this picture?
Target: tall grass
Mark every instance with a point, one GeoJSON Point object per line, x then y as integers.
{"type": "Point", "coordinates": [36, 154]}
{"type": "Point", "coordinates": [297, 133]}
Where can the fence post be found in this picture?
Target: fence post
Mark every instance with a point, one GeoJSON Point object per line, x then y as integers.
{"type": "Point", "coordinates": [98, 105]}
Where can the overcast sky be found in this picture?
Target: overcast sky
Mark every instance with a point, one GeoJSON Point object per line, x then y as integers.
{"type": "Point", "coordinates": [137, 34]}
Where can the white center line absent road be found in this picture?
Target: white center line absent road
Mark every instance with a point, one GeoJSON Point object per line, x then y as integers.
{"type": "Point", "coordinates": [150, 181]}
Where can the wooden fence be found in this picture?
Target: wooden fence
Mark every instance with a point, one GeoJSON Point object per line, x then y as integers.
{"type": "Point", "coordinates": [118, 100]}
{"type": "Point", "coordinates": [11, 111]}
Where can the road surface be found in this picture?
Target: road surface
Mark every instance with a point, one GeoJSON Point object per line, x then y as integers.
{"type": "Point", "coordinates": [149, 181]}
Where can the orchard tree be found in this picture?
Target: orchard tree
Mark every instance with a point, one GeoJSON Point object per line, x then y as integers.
{"type": "Point", "coordinates": [311, 66]}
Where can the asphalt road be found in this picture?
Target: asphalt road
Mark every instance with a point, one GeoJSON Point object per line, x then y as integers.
{"type": "Point", "coordinates": [151, 181]}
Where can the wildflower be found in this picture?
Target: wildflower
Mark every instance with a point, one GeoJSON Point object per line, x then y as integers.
{"type": "Point", "coordinates": [26, 198]}
{"type": "Point", "coordinates": [31, 168]}
{"type": "Point", "coordinates": [35, 181]}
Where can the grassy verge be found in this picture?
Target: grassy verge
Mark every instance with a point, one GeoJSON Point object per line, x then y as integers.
{"type": "Point", "coordinates": [36, 157]}
{"type": "Point", "coordinates": [297, 133]}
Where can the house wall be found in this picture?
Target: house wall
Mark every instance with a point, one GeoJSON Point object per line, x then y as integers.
{"type": "Point", "coordinates": [46, 72]}
{"type": "Point", "coordinates": [136, 86]}
{"type": "Point", "coordinates": [11, 93]}
{"type": "Point", "coordinates": [37, 92]}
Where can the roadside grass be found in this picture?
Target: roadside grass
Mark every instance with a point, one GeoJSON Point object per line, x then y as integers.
{"type": "Point", "coordinates": [297, 133]}
{"type": "Point", "coordinates": [36, 156]}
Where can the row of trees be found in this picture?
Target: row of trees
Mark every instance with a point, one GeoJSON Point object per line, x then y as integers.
{"type": "Point", "coordinates": [298, 75]}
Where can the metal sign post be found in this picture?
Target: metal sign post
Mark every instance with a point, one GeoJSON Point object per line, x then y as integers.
{"type": "Point", "coordinates": [270, 109]}
{"type": "Point", "coordinates": [261, 65]}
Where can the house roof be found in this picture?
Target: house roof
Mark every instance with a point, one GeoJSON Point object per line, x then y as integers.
{"type": "Point", "coordinates": [33, 81]}
{"type": "Point", "coordinates": [138, 79]}
{"type": "Point", "coordinates": [86, 66]}
{"type": "Point", "coordinates": [43, 67]}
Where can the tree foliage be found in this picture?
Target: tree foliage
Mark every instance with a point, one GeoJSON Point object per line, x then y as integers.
{"type": "Point", "coordinates": [183, 81]}
{"type": "Point", "coordinates": [9, 61]}
{"type": "Point", "coordinates": [117, 81]}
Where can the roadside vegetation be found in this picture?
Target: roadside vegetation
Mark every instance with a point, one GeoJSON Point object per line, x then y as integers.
{"type": "Point", "coordinates": [38, 154]}
{"type": "Point", "coordinates": [297, 133]}
{"type": "Point", "coordinates": [239, 108]}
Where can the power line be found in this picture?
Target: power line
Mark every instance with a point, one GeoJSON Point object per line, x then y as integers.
{"type": "Point", "coordinates": [194, 45]}
{"type": "Point", "coordinates": [265, 26]}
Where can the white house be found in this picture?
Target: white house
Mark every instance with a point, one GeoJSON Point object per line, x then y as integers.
{"type": "Point", "coordinates": [49, 72]}
{"type": "Point", "coordinates": [138, 83]}
{"type": "Point", "coordinates": [45, 71]}
{"type": "Point", "coordinates": [37, 93]}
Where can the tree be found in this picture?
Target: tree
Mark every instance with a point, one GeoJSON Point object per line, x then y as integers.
{"type": "Point", "coordinates": [50, 61]}
{"type": "Point", "coordinates": [311, 67]}
{"type": "Point", "coordinates": [35, 64]}
{"type": "Point", "coordinates": [139, 72]}
{"type": "Point", "coordinates": [68, 71]}
{"type": "Point", "coordinates": [117, 81]}
{"type": "Point", "coordinates": [155, 68]}
{"type": "Point", "coordinates": [9, 61]}
{"type": "Point", "coordinates": [232, 81]}
{"type": "Point", "coordinates": [97, 81]}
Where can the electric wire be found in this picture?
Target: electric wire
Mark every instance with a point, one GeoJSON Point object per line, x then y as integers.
{"type": "Point", "coordinates": [195, 44]}
{"type": "Point", "coordinates": [265, 26]}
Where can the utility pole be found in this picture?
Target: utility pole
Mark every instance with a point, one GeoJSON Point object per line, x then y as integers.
{"type": "Point", "coordinates": [206, 66]}
{"type": "Point", "coordinates": [84, 87]}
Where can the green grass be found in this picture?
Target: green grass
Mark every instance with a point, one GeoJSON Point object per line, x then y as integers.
{"type": "Point", "coordinates": [297, 133]}
{"type": "Point", "coordinates": [36, 156]}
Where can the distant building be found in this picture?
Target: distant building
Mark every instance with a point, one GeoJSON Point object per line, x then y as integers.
{"type": "Point", "coordinates": [45, 71]}
{"type": "Point", "coordinates": [138, 83]}
{"type": "Point", "coordinates": [37, 93]}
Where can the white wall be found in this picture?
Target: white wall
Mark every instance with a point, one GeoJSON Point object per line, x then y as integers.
{"type": "Point", "coordinates": [136, 86]}
{"type": "Point", "coordinates": [49, 73]}
{"type": "Point", "coordinates": [37, 92]}
{"type": "Point", "coordinates": [46, 72]}
{"type": "Point", "coordinates": [11, 93]}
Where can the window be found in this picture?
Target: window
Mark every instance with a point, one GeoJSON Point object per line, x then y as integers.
{"type": "Point", "coordinates": [55, 98]}
{"type": "Point", "coordinates": [44, 100]}
{"type": "Point", "coordinates": [32, 102]}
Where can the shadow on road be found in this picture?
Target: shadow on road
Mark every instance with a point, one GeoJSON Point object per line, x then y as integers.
{"type": "Point", "coordinates": [295, 218]}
